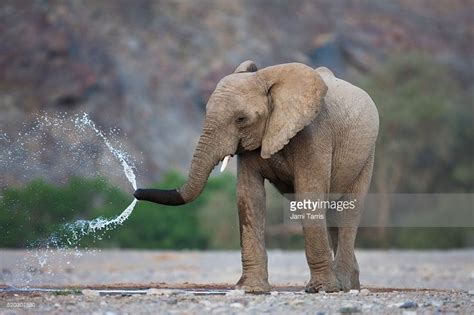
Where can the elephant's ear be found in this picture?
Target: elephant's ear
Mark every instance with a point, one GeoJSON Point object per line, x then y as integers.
{"type": "Point", "coordinates": [296, 95]}
{"type": "Point", "coordinates": [246, 66]}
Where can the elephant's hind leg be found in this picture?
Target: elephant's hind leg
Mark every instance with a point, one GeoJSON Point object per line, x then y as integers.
{"type": "Point", "coordinates": [317, 243]}
{"type": "Point", "coordinates": [347, 269]}
{"type": "Point", "coordinates": [332, 231]}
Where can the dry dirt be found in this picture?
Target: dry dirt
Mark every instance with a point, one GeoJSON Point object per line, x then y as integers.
{"type": "Point", "coordinates": [191, 282]}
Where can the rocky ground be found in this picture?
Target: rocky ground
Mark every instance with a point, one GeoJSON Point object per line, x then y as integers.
{"type": "Point", "coordinates": [404, 282]}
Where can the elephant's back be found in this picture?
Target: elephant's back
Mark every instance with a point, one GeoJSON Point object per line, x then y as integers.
{"type": "Point", "coordinates": [348, 104]}
{"type": "Point", "coordinates": [354, 122]}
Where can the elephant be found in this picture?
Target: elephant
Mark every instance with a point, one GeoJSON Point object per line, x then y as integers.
{"type": "Point", "coordinates": [302, 129]}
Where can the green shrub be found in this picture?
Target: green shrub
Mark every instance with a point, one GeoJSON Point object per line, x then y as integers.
{"type": "Point", "coordinates": [37, 211]}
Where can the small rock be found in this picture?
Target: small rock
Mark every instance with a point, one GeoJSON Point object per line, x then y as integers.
{"type": "Point", "coordinates": [242, 301]}
{"type": "Point", "coordinates": [354, 292]}
{"type": "Point", "coordinates": [274, 293]}
{"type": "Point", "coordinates": [295, 302]}
{"type": "Point", "coordinates": [172, 301]}
{"type": "Point", "coordinates": [235, 293]}
{"type": "Point", "coordinates": [236, 305]}
{"type": "Point", "coordinates": [349, 310]}
{"type": "Point", "coordinates": [154, 291]}
{"type": "Point", "coordinates": [408, 304]}
{"type": "Point", "coordinates": [220, 310]}
{"type": "Point", "coordinates": [437, 303]}
{"type": "Point", "coordinates": [205, 302]}
{"type": "Point", "coordinates": [91, 293]}
{"type": "Point", "coordinates": [103, 303]}
{"type": "Point", "coordinates": [57, 305]}
{"type": "Point", "coordinates": [367, 306]}
{"type": "Point", "coordinates": [364, 292]}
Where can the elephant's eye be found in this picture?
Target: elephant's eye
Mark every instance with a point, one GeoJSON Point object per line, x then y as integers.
{"type": "Point", "coordinates": [241, 120]}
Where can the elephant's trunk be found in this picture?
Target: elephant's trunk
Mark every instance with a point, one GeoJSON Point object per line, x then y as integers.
{"type": "Point", "coordinates": [207, 155]}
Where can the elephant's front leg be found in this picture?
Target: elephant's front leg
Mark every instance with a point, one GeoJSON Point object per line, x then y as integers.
{"type": "Point", "coordinates": [251, 204]}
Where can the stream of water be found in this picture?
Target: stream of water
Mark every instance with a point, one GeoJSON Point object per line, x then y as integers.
{"type": "Point", "coordinates": [86, 227]}
{"type": "Point", "coordinates": [63, 243]}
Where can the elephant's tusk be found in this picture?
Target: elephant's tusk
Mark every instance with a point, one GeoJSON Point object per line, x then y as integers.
{"type": "Point", "coordinates": [224, 162]}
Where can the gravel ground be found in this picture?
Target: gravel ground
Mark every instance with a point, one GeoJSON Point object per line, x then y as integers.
{"type": "Point", "coordinates": [403, 282]}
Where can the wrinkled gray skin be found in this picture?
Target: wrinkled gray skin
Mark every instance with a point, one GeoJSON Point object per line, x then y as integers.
{"type": "Point", "coordinates": [304, 130]}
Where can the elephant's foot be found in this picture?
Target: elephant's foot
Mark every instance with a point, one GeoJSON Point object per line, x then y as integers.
{"type": "Point", "coordinates": [355, 284]}
{"type": "Point", "coordinates": [323, 282]}
{"type": "Point", "coordinates": [348, 277]}
{"type": "Point", "coordinates": [253, 284]}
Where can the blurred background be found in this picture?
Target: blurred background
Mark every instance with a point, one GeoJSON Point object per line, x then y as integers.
{"type": "Point", "coordinates": [144, 70]}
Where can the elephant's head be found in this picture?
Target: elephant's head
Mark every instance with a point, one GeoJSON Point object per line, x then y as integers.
{"type": "Point", "coordinates": [249, 109]}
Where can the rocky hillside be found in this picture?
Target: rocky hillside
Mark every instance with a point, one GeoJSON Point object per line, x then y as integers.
{"type": "Point", "coordinates": [148, 67]}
